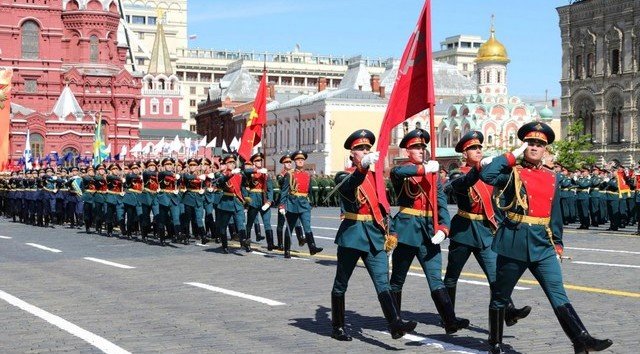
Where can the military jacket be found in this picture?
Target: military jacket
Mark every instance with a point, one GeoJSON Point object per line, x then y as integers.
{"type": "Point", "coordinates": [260, 189]}
{"type": "Point", "coordinates": [295, 189]}
{"type": "Point", "coordinates": [194, 195]}
{"type": "Point", "coordinates": [232, 198]}
{"type": "Point", "coordinates": [168, 192]}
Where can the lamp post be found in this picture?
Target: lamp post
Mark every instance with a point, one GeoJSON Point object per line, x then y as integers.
{"type": "Point", "coordinates": [299, 127]}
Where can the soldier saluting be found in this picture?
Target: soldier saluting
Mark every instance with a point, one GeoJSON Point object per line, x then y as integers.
{"type": "Point", "coordinates": [473, 226]}
{"type": "Point", "coordinates": [363, 235]}
{"type": "Point", "coordinates": [530, 235]}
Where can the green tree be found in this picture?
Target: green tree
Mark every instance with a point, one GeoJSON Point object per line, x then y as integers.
{"type": "Point", "coordinates": [572, 151]}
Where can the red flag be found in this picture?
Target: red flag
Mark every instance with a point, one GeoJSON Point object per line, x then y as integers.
{"type": "Point", "coordinates": [412, 92]}
{"type": "Point", "coordinates": [257, 119]}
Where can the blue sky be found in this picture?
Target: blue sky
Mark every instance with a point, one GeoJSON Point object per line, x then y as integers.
{"type": "Point", "coordinates": [377, 28]}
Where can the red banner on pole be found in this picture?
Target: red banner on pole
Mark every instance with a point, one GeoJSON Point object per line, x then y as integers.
{"type": "Point", "coordinates": [412, 92]}
{"type": "Point", "coordinates": [257, 119]}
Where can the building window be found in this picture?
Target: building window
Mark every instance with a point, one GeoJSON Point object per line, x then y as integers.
{"type": "Point", "coordinates": [465, 67]}
{"type": "Point", "coordinates": [154, 106]}
{"type": "Point", "coordinates": [93, 49]}
{"type": "Point", "coordinates": [30, 40]}
{"type": "Point", "coordinates": [192, 103]}
{"type": "Point", "coordinates": [152, 20]}
{"type": "Point", "coordinates": [616, 126]}
{"type": "Point", "coordinates": [140, 61]}
{"type": "Point", "coordinates": [205, 91]}
{"type": "Point", "coordinates": [591, 64]}
{"type": "Point", "coordinates": [578, 69]}
{"type": "Point", "coordinates": [192, 90]}
{"type": "Point", "coordinates": [499, 76]}
{"type": "Point", "coordinates": [615, 61]}
{"type": "Point", "coordinates": [137, 20]}
{"type": "Point", "coordinates": [140, 35]}
{"type": "Point", "coordinates": [168, 106]}
{"type": "Point", "coordinates": [128, 18]}
{"type": "Point", "coordinates": [192, 127]}
{"type": "Point", "coordinates": [30, 86]}
{"type": "Point", "coordinates": [488, 77]}
{"type": "Point", "coordinates": [37, 145]}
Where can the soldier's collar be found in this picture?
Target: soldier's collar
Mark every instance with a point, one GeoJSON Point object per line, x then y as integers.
{"type": "Point", "coordinates": [528, 164]}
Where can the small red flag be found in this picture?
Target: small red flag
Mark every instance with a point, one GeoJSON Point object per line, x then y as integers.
{"type": "Point", "coordinates": [412, 92]}
{"type": "Point", "coordinates": [257, 119]}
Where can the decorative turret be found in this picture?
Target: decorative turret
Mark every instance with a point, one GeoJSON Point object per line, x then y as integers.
{"type": "Point", "coordinates": [492, 63]}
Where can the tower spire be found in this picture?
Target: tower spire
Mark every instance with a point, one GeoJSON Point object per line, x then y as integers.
{"type": "Point", "coordinates": [160, 62]}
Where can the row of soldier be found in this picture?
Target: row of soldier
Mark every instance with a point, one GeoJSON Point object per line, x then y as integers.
{"type": "Point", "coordinates": [170, 199]}
{"type": "Point", "coordinates": [596, 196]}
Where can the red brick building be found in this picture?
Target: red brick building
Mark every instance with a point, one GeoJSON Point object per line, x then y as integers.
{"type": "Point", "coordinates": [53, 44]}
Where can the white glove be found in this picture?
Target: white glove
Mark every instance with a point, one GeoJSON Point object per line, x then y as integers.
{"type": "Point", "coordinates": [265, 206]}
{"type": "Point", "coordinates": [517, 152]}
{"type": "Point", "coordinates": [607, 179]}
{"type": "Point", "coordinates": [432, 166]}
{"type": "Point", "coordinates": [177, 176]}
{"type": "Point", "coordinates": [55, 178]}
{"type": "Point", "coordinates": [235, 171]}
{"type": "Point", "coordinates": [263, 171]}
{"type": "Point", "coordinates": [202, 177]}
{"type": "Point", "coordinates": [438, 237]}
{"type": "Point", "coordinates": [123, 179]}
{"type": "Point", "coordinates": [369, 159]}
{"type": "Point", "coordinates": [282, 211]}
{"type": "Point", "coordinates": [486, 161]}
{"type": "Point", "coordinates": [211, 176]}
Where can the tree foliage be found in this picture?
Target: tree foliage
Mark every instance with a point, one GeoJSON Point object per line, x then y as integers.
{"type": "Point", "coordinates": [573, 151]}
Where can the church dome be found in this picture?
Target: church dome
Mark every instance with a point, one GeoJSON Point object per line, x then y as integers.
{"type": "Point", "coordinates": [546, 113]}
{"type": "Point", "coordinates": [492, 50]}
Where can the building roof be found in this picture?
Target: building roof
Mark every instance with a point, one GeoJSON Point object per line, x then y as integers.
{"type": "Point", "coordinates": [160, 62]}
{"type": "Point", "coordinates": [16, 108]}
{"type": "Point", "coordinates": [237, 84]}
{"type": "Point", "coordinates": [449, 81]}
{"type": "Point", "coordinates": [357, 75]}
{"type": "Point", "coordinates": [67, 104]}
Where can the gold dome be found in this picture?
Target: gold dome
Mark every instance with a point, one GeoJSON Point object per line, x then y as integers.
{"type": "Point", "coordinates": [492, 50]}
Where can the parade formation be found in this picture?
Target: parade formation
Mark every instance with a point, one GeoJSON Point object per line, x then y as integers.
{"type": "Point", "coordinates": [512, 204]}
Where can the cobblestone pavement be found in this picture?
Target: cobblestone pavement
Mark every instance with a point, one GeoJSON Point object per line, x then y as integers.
{"type": "Point", "coordinates": [163, 301]}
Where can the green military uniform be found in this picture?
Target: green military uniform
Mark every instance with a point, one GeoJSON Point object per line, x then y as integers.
{"type": "Point", "coordinates": [168, 202]}
{"type": "Point", "coordinates": [529, 237]}
{"type": "Point", "coordinates": [361, 235]}
{"type": "Point", "coordinates": [582, 197]}
{"type": "Point", "coordinates": [193, 200]}
{"type": "Point", "coordinates": [99, 206]}
{"type": "Point", "coordinates": [260, 198]}
{"type": "Point", "coordinates": [231, 205]}
{"type": "Point", "coordinates": [133, 187]}
{"type": "Point", "coordinates": [113, 200]}
{"type": "Point", "coordinates": [594, 200]}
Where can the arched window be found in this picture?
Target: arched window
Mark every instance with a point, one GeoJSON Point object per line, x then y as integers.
{"type": "Point", "coordinates": [73, 152]}
{"type": "Point", "coordinates": [578, 68]}
{"type": "Point", "coordinates": [488, 77]}
{"type": "Point", "coordinates": [499, 76]}
{"type": "Point", "coordinates": [30, 33]}
{"type": "Point", "coordinates": [616, 125]}
{"type": "Point", "coordinates": [37, 145]}
{"type": "Point", "coordinates": [168, 106]}
{"type": "Point", "coordinates": [155, 106]}
{"type": "Point", "coordinates": [591, 64]}
{"type": "Point", "coordinates": [615, 61]}
{"type": "Point", "coordinates": [490, 139]}
{"type": "Point", "coordinates": [94, 51]}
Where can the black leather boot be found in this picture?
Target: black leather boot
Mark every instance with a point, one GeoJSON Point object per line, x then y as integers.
{"type": "Point", "coordinates": [125, 230]}
{"type": "Point", "coordinates": [280, 246]}
{"type": "Point", "coordinates": [397, 326]}
{"type": "Point", "coordinates": [337, 318]}
{"type": "Point", "coordinates": [447, 314]}
{"type": "Point", "coordinates": [233, 232]}
{"type": "Point", "coordinates": [225, 246]}
{"type": "Point", "coordinates": [312, 244]}
{"type": "Point", "coordinates": [109, 230]}
{"type": "Point", "coordinates": [270, 246]}
{"type": "Point", "coordinates": [451, 290]}
{"type": "Point", "coordinates": [287, 245]}
{"type": "Point", "coordinates": [300, 236]}
{"type": "Point", "coordinates": [245, 240]}
{"type": "Point", "coordinates": [513, 314]}
{"type": "Point", "coordinates": [582, 341]}
{"type": "Point", "coordinates": [496, 327]}
{"type": "Point", "coordinates": [397, 296]}
{"type": "Point", "coordinates": [256, 228]}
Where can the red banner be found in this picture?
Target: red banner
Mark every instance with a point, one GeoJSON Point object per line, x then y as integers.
{"type": "Point", "coordinates": [412, 92]}
{"type": "Point", "coordinates": [257, 119]}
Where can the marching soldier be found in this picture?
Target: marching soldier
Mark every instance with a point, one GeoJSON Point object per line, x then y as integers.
{"type": "Point", "coordinates": [530, 236]}
{"type": "Point", "coordinates": [73, 198]}
{"type": "Point", "coordinates": [231, 205]}
{"type": "Point", "coordinates": [286, 162]}
{"type": "Point", "coordinates": [48, 196]}
{"type": "Point", "coordinates": [363, 235]}
{"type": "Point", "coordinates": [149, 199]}
{"type": "Point", "coordinates": [594, 197]}
{"type": "Point", "coordinates": [583, 184]}
{"type": "Point", "coordinates": [473, 226]}
{"type": "Point", "coordinates": [133, 185]}
{"type": "Point", "coordinates": [99, 198]}
{"type": "Point", "coordinates": [210, 201]}
{"type": "Point", "coordinates": [193, 200]}
{"type": "Point", "coordinates": [113, 200]}
{"type": "Point", "coordinates": [260, 197]}
{"type": "Point", "coordinates": [418, 235]}
{"type": "Point", "coordinates": [168, 200]}
{"type": "Point", "coordinates": [613, 198]}
{"type": "Point", "coordinates": [88, 192]}
{"type": "Point", "coordinates": [294, 203]}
